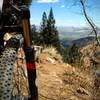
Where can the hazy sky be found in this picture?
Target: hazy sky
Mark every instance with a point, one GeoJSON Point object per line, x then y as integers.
{"type": "Point", "coordinates": [66, 12]}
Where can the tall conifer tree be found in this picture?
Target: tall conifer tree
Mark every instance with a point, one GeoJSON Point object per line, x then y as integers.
{"type": "Point", "coordinates": [48, 31]}
{"type": "Point", "coordinates": [52, 33]}
{"type": "Point", "coordinates": [43, 29]}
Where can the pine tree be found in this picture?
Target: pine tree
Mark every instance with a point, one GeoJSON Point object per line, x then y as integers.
{"type": "Point", "coordinates": [43, 29]}
{"type": "Point", "coordinates": [52, 33]}
{"type": "Point", "coordinates": [74, 54]}
{"type": "Point", "coordinates": [48, 31]}
{"type": "Point", "coordinates": [44, 21]}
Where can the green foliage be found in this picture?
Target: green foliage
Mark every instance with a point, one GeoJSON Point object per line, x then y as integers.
{"type": "Point", "coordinates": [48, 35]}
{"type": "Point", "coordinates": [48, 30]}
{"type": "Point", "coordinates": [35, 35]}
{"type": "Point", "coordinates": [73, 55]}
{"type": "Point", "coordinates": [44, 21]}
{"type": "Point", "coordinates": [43, 29]}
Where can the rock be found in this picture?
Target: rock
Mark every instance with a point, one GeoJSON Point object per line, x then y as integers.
{"type": "Point", "coordinates": [50, 60]}
{"type": "Point", "coordinates": [82, 91]}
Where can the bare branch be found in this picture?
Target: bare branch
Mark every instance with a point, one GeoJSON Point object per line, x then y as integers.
{"type": "Point", "coordinates": [90, 22]}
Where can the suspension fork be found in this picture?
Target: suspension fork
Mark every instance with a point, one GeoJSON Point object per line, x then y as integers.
{"type": "Point", "coordinates": [29, 53]}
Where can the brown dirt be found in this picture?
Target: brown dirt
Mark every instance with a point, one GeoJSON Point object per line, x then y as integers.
{"type": "Point", "coordinates": [60, 81]}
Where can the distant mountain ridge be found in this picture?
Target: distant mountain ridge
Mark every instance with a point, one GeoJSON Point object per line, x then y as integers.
{"type": "Point", "coordinates": [73, 32]}
{"type": "Point", "coordinates": [80, 42]}
{"type": "Point", "coordinates": [77, 35]}
{"type": "Point", "coordinates": [84, 41]}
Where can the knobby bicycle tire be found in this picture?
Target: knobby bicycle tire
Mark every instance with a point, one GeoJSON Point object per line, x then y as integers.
{"type": "Point", "coordinates": [7, 60]}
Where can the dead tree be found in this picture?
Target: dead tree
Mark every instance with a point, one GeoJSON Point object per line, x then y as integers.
{"type": "Point", "coordinates": [90, 22]}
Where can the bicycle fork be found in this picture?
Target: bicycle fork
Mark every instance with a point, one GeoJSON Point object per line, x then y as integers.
{"type": "Point", "coordinates": [30, 59]}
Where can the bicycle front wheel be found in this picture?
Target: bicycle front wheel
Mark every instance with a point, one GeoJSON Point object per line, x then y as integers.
{"type": "Point", "coordinates": [7, 60]}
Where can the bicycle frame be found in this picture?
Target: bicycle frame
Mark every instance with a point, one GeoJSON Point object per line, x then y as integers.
{"type": "Point", "coordinates": [1, 4]}
{"type": "Point", "coordinates": [22, 25]}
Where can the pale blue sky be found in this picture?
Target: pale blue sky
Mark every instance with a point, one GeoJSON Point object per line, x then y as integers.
{"type": "Point", "coordinates": [64, 13]}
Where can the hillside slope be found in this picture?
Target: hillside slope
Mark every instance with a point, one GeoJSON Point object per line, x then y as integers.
{"type": "Point", "coordinates": [59, 81]}
{"type": "Point", "coordinates": [80, 42]}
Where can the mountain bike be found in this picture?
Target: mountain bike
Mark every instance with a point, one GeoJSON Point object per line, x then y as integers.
{"type": "Point", "coordinates": [14, 19]}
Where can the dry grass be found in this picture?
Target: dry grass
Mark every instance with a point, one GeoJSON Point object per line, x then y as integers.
{"type": "Point", "coordinates": [53, 52]}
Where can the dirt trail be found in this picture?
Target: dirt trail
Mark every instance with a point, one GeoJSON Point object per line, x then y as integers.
{"type": "Point", "coordinates": [60, 81]}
